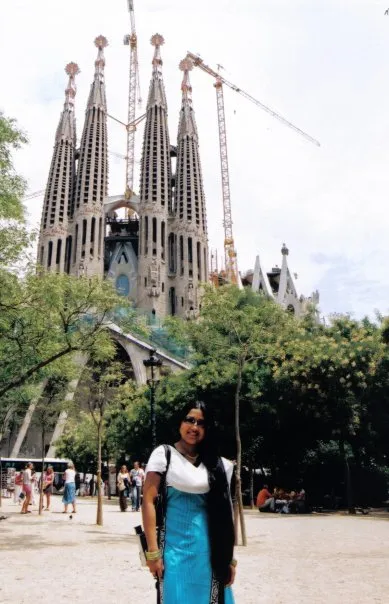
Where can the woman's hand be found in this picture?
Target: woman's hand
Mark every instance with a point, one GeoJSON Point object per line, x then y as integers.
{"type": "Point", "coordinates": [232, 575]}
{"type": "Point", "coordinates": [156, 568]}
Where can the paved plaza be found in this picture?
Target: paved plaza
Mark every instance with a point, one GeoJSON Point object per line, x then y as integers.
{"type": "Point", "coordinates": [313, 559]}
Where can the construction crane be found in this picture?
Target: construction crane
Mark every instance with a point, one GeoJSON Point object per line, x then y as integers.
{"type": "Point", "coordinates": [229, 246]}
{"type": "Point", "coordinates": [134, 95]}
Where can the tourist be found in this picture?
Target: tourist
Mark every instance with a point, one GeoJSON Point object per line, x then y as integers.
{"type": "Point", "coordinates": [48, 481]}
{"type": "Point", "coordinates": [123, 487]}
{"type": "Point", "coordinates": [34, 486]}
{"type": "Point", "coordinates": [18, 487]}
{"type": "Point", "coordinates": [27, 488]}
{"type": "Point", "coordinates": [137, 477]}
{"type": "Point", "coordinates": [265, 500]}
{"type": "Point", "coordinates": [69, 494]}
{"type": "Point", "coordinates": [197, 536]}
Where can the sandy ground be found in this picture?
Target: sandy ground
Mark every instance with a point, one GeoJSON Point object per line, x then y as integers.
{"type": "Point", "coordinates": [312, 559]}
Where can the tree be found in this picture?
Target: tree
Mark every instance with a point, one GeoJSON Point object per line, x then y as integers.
{"type": "Point", "coordinates": [46, 416]}
{"type": "Point", "coordinates": [14, 236]}
{"type": "Point", "coordinates": [79, 442]}
{"type": "Point", "coordinates": [46, 317]}
{"type": "Point", "coordinates": [100, 381]}
{"type": "Point", "coordinates": [234, 332]}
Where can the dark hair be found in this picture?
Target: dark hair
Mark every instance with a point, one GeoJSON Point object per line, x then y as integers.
{"type": "Point", "coordinates": [221, 525]}
{"type": "Point", "coordinates": [209, 445]}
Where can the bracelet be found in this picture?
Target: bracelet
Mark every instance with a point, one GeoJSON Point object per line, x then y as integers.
{"type": "Point", "coordinates": [234, 562]}
{"type": "Point", "coordinates": [153, 556]}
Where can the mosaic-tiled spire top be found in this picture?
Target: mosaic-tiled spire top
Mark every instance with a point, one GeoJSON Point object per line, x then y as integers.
{"type": "Point", "coordinates": [60, 183]}
{"type": "Point", "coordinates": [67, 125]}
{"type": "Point", "coordinates": [187, 125]}
{"type": "Point", "coordinates": [157, 96]}
{"type": "Point", "coordinates": [155, 182]}
{"type": "Point", "coordinates": [92, 173]}
{"type": "Point", "coordinates": [189, 192]}
{"type": "Point", "coordinates": [97, 96]}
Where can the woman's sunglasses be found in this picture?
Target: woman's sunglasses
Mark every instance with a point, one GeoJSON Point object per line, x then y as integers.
{"type": "Point", "coordinates": [194, 421]}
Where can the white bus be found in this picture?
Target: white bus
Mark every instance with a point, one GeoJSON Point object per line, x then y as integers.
{"type": "Point", "coordinates": [9, 466]}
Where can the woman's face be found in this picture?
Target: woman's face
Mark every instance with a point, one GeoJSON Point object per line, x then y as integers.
{"type": "Point", "coordinates": [123, 469]}
{"type": "Point", "coordinates": [192, 428]}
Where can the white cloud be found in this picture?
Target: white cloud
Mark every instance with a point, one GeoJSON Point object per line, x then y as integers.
{"type": "Point", "coordinates": [323, 65]}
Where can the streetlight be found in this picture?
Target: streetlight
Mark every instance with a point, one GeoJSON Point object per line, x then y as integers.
{"type": "Point", "coordinates": [153, 369]}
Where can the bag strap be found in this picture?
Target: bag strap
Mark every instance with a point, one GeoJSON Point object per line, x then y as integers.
{"type": "Point", "coordinates": [168, 455]}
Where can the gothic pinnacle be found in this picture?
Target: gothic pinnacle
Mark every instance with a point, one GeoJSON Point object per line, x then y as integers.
{"type": "Point", "coordinates": [157, 41]}
{"type": "Point", "coordinates": [186, 66]}
{"type": "Point", "coordinates": [72, 70]}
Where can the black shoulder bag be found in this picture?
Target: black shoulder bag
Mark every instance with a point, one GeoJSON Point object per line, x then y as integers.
{"type": "Point", "coordinates": [160, 512]}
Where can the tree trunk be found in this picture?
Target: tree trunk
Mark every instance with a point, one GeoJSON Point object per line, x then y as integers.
{"type": "Point", "coordinates": [239, 454]}
{"type": "Point", "coordinates": [347, 478]}
{"type": "Point", "coordinates": [252, 488]}
{"type": "Point", "coordinates": [99, 516]}
{"type": "Point", "coordinates": [41, 480]}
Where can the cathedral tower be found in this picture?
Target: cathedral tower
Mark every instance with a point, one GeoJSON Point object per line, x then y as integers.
{"type": "Point", "coordinates": [188, 243]}
{"type": "Point", "coordinates": [54, 243]}
{"type": "Point", "coordinates": [155, 195]}
{"type": "Point", "coordinates": [87, 211]}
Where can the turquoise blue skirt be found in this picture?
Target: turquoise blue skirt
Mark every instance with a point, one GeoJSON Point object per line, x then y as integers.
{"type": "Point", "coordinates": [188, 573]}
{"type": "Point", "coordinates": [69, 493]}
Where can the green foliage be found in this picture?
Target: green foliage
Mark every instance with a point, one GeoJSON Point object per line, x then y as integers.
{"type": "Point", "coordinates": [14, 237]}
{"type": "Point", "coordinates": [79, 443]}
{"type": "Point", "coordinates": [47, 317]}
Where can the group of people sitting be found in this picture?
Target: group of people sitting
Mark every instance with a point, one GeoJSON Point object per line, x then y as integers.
{"type": "Point", "coordinates": [284, 502]}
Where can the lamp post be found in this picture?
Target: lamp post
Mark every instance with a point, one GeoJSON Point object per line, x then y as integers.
{"type": "Point", "coordinates": [153, 367]}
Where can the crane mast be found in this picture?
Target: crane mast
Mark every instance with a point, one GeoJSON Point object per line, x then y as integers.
{"type": "Point", "coordinates": [133, 95]}
{"type": "Point", "coordinates": [229, 248]}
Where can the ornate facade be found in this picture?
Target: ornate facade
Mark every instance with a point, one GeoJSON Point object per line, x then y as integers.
{"type": "Point", "coordinates": [158, 255]}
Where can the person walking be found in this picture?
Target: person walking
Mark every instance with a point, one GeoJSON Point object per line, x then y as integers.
{"type": "Point", "coordinates": [48, 482]}
{"type": "Point", "coordinates": [192, 555]}
{"type": "Point", "coordinates": [27, 488]}
{"type": "Point", "coordinates": [137, 477]}
{"type": "Point", "coordinates": [123, 487]}
{"type": "Point", "coordinates": [69, 494]}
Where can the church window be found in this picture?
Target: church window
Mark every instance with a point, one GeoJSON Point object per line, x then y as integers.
{"type": "Point", "coordinates": [92, 231]}
{"type": "Point", "coordinates": [181, 255]}
{"type": "Point", "coordinates": [123, 285]}
{"type": "Point", "coordinates": [154, 235]}
{"type": "Point", "coordinates": [84, 223]}
{"type": "Point", "coordinates": [163, 240]}
{"type": "Point", "coordinates": [198, 245]}
{"type": "Point", "coordinates": [50, 254]}
{"type": "Point", "coordinates": [59, 248]}
{"type": "Point", "coordinates": [146, 249]}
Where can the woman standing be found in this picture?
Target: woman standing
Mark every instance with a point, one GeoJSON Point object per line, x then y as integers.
{"type": "Point", "coordinates": [27, 488]}
{"type": "Point", "coordinates": [69, 494]}
{"type": "Point", "coordinates": [48, 481]}
{"type": "Point", "coordinates": [123, 486]}
{"type": "Point", "coordinates": [193, 560]}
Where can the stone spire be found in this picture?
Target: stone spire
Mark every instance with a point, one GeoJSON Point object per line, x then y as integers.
{"type": "Point", "coordinates": [53, 247]}
{"type": "Point", "coordinates": [260, 281]}
{"type": "Point", "coordinates": [87, 211]}
{"type": "Point", "coordinates": [155, 195]}
{"type": "Point", "coordinates": [188, 244]}
{"type": "Point", "coordinates": [286, 292]}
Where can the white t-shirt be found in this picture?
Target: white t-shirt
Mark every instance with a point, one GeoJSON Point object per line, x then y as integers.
{"type": "Point", "coordinates": [138, 476]}
{"type": "Point", "coordinates": [70, 476]}
{"type": "Point", "coordinates": [182, 474]}
{"type": "Point", "coordinates": [27, 477]}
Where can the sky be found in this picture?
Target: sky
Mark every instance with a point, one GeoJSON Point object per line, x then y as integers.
{"type": "Point", "coordinates": [323, 65]}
